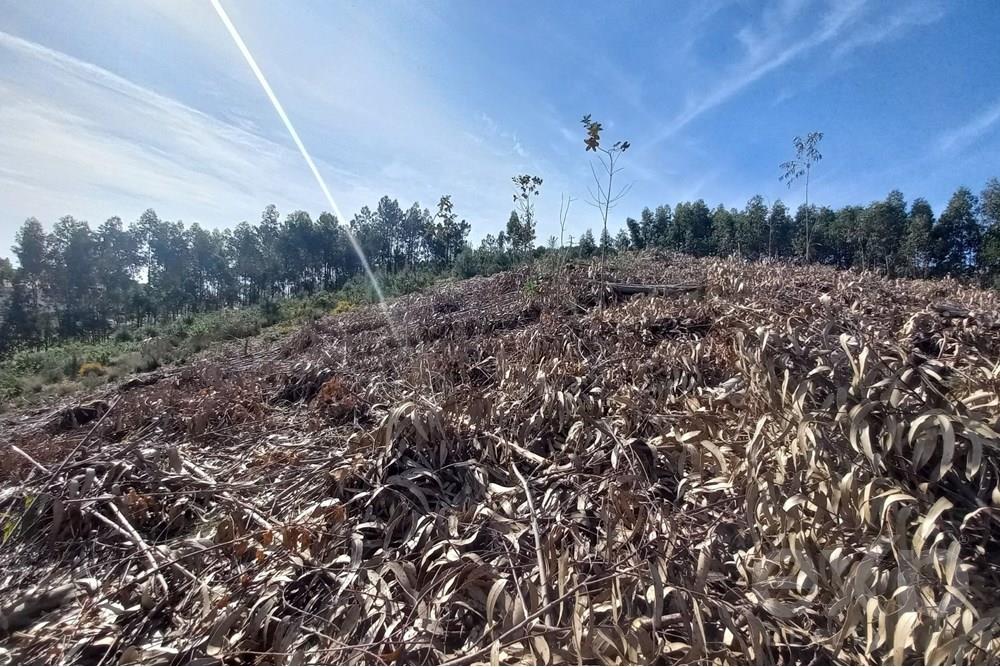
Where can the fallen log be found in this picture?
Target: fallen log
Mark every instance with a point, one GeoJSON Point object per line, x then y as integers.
{"type": "Point", "coordinates": [626, 289]}
{"type": "Point", "coordinates": [950, 310]}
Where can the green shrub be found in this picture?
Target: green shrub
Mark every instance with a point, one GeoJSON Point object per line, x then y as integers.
{"type": "Point", "coordinates": [64, 388]}
{"type": "Point", "coordinates": [129, 362]}
{"type": "Point", "coordinates": [198, 342]}
{"type": "Point", "coordinates": [91, 381]}
{"type": "Point", "coordinates": [71, 364]}
{"type": "Point", "coordinates": [467, 264]}
{"type": "Point", "coordinates": [270, 311]}
{"type": "Point", "coordinates": [10, 385]}
{"type": "Point", "coordinates": [51, 375]}
{"type": "Point", "coordinates": [155, 353]}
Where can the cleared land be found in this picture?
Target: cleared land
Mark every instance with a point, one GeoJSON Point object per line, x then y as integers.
{"type": "Point", "coordinates": [789, 465]}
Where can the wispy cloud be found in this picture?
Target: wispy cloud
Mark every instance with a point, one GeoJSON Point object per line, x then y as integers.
{"type": "Point", "coordinates": [963, 135]}
{"type": "Point", "coordinates": [771, 44]}
{"type": "Point", "coordinates": [883, 28]}
{"type": "Point", "coordinates": [507, 141]}
{"type": "Point", "coordinates": [767, 49]}
{"type": "Point", "coordinates": [88, 141]}
{"type": "Point", "coordinates": [92, 143]}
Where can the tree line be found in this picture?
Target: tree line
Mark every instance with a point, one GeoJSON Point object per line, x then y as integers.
{"type": "Point", "coordinates": [889, 235]}
{"type": "Point", "coordinates": [78, 281]}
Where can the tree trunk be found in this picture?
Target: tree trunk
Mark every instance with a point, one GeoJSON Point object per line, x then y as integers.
{"type": "Point", "coordinates": [807, 214]}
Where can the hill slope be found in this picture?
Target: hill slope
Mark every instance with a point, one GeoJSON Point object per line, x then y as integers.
{"type": "Point", "coordinates": [792, 465]}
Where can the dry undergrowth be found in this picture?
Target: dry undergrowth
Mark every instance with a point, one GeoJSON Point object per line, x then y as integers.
{"type": "Point", "coordinates": [795, 465]}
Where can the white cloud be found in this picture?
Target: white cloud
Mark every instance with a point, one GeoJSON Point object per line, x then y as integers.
{"type": "Point", "coordinates": [963, 135]}
{"type": "Point", "coordinates": [87, 142]}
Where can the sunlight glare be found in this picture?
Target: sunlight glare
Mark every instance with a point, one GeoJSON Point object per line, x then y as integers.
{"type": "Point", "coordinates": [241, 45]}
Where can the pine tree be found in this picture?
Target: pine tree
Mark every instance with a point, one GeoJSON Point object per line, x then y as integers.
{"type": "Point", "coordinates": [622, 240]}
{"type": "Point", "coordinates": [587, 244]}
{"type": "Point", "coordinates": [30, 248]}
{"type": "Point", "coordinates": [724, 231]}
{"type": "Point", "coordinates": [19, 326]}
{"type": "Point", "coordinates": [957, 235]}
{"type": "Point", "coordinates": [989, 202]}
{"type": "Point", "coordinates": [917, 247]}
{"type": "Point", "coordinates": [989, 249]}
{"type": "Point", "coordinates": [118, 260]}
{"type": "Point", "coordinates": [637, 239]}
{"type": "Point", "coordinates": [779, 227]}
{"type": "Point", "coordinates": [513, 231]}
{"type": "Point", "coordinates": [6, 272]}
{"type": "Point", "coordinates": [607, 243]}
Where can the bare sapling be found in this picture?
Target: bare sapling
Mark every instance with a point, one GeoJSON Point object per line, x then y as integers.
{"type": "Point", "coordinates": [603, 196]}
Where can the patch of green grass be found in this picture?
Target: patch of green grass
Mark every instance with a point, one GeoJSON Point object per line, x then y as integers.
{"type": "Point", "coordinates": [72, 365]}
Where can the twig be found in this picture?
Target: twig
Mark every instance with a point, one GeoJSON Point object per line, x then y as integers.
{"type": "Point", "coordinates": [18, 450]}
{"type": "Point", "coordinates": [543, 579]}
{"type": "Point", "coordinates": [521, 451]}
{"type": "Point", "coordinates": [136, 539]}
{"type": "Point", "coordinates": [626, 289]}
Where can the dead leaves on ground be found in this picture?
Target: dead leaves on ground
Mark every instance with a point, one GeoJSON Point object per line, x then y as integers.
{"type": "Point", "coordinates": [795, 465]}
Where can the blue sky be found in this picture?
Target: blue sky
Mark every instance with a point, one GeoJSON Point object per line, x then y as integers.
{"type": "Point", "coordinates": [109, 108]}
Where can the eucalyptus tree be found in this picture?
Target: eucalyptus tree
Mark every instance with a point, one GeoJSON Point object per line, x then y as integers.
{"type": "Point", "coordinates": [724, 230]}
{"type": "Point", "coordinates": [564, 203]}
{"type": "Point", "coordinates": [806, 155]}
{"type": "Point", "coordinates": [522, 235]}
{"type": "Point", "coordinates": [605, 197]}
{"type": "Point", "coordinates": [691, 229]}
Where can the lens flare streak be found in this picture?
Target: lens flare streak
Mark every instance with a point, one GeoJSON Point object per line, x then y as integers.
{"type": "Point", "coordinates": [280, 110]}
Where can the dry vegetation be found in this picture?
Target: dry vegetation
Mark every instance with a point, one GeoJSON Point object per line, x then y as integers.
{"type": "Point", "coordinates": [792, 465]}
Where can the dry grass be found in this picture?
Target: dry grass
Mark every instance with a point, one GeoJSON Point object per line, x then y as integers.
{"type": "Point", "coordinates": [794, 466]}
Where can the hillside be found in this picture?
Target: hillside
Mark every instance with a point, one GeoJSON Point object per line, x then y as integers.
{"type": "Point", "coordinates": [789, 465]}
